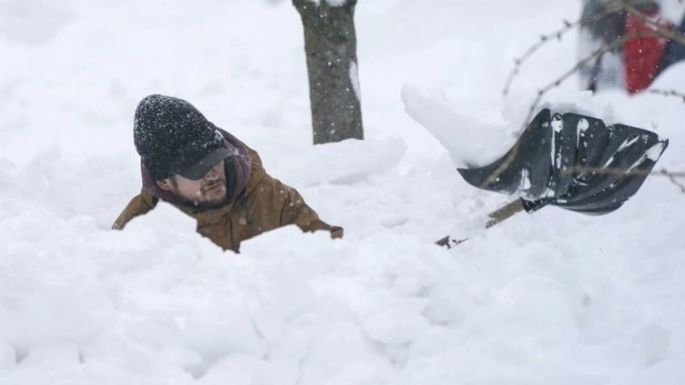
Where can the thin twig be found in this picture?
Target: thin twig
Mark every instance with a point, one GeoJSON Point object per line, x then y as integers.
{"type": "Point", "coordinates": [619, 171]}
{"type": "Point", "coordinates": [668, 93]}
{"type": "Point", "coordinates": [542, 91]}
{"type": "Point", "coordinates": [568, 26]}
{"type": "Point", "coordinates": [672, 177]}
{"type": "Point", "coordinates": [658, 28]}
{"type": "Point", "coordinates": [598, 52]}
{"type": "Point", "coordinates": [664, 172]}
{"type": "Point", "coordinates": [612, 6]}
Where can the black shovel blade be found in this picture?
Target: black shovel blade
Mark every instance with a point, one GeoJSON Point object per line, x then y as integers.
{"type": "Point", "coordinates": [574, 162]}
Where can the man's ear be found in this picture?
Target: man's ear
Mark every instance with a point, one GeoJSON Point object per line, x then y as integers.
{"type": "Point", "coordinates": [164, 184]}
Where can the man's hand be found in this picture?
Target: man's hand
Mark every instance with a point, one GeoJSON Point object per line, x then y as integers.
{"type": "Point", "coordinates": [337, 232]}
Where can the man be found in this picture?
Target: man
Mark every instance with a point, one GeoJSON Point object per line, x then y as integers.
{"type": "Point", "coordinates": [210, 175]}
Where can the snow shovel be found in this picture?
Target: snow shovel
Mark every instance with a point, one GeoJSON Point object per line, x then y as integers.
{"type": "Point", "coordinates": [571, 161]}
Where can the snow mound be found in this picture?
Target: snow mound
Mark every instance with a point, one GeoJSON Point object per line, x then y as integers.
{"type": "Point", "coordinates": [344, 163]}
{"type": "Point", "coordinates": [471, 135]}
{"type": "Point", "coordinates": [549, 298]}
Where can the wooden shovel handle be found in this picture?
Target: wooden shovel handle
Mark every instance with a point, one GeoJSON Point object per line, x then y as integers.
{"type": "Point", "coordinates": [495, 217]}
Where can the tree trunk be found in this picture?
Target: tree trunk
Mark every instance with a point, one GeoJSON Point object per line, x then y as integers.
{"type": "Point", "coordinates": [331, 49]}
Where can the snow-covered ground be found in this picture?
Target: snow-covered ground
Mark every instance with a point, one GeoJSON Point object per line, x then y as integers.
{"type": "Point", "coordinates": [549, 298]}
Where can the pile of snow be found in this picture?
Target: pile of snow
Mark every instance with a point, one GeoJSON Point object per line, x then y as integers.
{"type": "Point", "coordinates": [553, 297]}
{"type": "Point", "coordinates": [470, 139]}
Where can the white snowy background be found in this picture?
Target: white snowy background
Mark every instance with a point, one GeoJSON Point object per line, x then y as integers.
{"type": "Point", "coordinates": [549, 298]}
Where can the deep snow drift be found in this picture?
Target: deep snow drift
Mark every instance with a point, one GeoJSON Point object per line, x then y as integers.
{"type": "Point", "coordinates": [549, 298]}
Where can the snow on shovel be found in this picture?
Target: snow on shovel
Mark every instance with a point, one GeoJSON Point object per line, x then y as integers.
{"type": "Point", "coordinates": [571, 161]}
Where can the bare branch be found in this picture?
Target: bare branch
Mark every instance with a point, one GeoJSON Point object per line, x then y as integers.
{"type": "Point", "coordinates": [612, 7]}
{"type": "Point", "coordinates": [668, 93]}
{"type": "Point", "coordinates": [628, 6]}
{"type": "Point", "coordinates": [672, 177]}
{"type": "Point", "coordinates": [658, 28]}
{"type": "Point", "coordinates": [620, 171]}
{"type": "Point", "coordinates": [594, 55]}
{"type": "Point", "coordinates": [542, 91]}
{"type": "Point", "coordinates": [568, 26]}
{"type": "Point", "coordinates": [664, 172]}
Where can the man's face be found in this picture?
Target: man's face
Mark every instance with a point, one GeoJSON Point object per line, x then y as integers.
{"type": "Point", "coordinates": [208, 191]}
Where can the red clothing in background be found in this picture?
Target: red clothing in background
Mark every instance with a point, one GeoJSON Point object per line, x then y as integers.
{"type": "Point", "coordinates": [642, 56]}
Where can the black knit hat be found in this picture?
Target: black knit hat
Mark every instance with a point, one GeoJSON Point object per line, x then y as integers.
{"type": "Point", "coordinates": [172, 136]}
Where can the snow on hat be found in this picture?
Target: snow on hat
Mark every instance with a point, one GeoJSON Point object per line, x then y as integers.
{"type": "Point", "coordinates": [173, 137]}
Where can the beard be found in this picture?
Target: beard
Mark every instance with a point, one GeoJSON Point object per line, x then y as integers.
{"type": "Point", "coordinates": [210, 195]}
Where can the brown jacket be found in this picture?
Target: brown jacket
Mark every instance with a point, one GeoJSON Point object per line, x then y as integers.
{"type": "Point", "coordinates": [266, 204]}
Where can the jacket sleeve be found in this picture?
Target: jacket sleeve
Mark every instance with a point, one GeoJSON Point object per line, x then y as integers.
{"type": "Point", "coordinates": [296, 211]}
{"type": "Point", "coordinates": [281, 204]}
{"type": "Point", "coordinates": [292, 209]}
{"type": "Point", "coordinates": [139, 205]}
